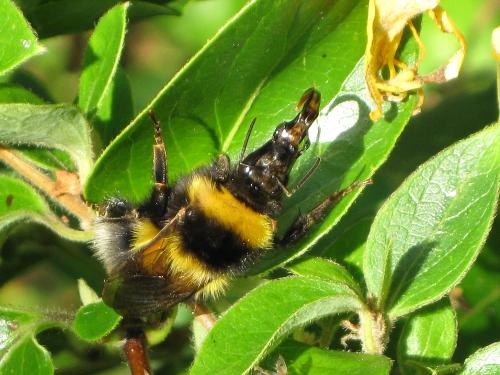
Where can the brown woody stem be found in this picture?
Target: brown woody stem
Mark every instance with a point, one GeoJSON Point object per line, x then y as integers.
{"type": "Point", "coordinates": [136, 352]}
{"type": "Point", "coordinates": [202, 314]}
{"type": "Point", "coordinates": [70, 202]}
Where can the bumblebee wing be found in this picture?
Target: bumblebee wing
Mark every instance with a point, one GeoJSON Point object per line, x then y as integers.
{"type": "Point", "coordinates": [167, 228]}
{"type": "Point", "coordinates": [141, 295]}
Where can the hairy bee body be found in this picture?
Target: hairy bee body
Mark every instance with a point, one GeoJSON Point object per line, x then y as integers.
{"type": "Point", "coordinates": [190, 238]}
{"type": "Point", "coordinates": [213, 236]}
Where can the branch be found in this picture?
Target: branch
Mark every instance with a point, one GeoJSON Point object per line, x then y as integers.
{"type": "Point", "coordinates": [72, 203]}
{"type": "Point", "coordinates": [136, 352]}
{"type": "Point", "coordinates": [202, 314]}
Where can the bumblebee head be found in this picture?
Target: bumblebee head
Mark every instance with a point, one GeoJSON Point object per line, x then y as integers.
{"type": "Point", "coordinates": [265, 171]}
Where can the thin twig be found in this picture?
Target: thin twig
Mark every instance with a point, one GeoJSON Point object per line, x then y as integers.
{"type": "Point", "coordinates": [72, 203]}
{"type": "Point", "coordinates": [136, 352]}
{"type": "Point", "coordinates": [202, 314]}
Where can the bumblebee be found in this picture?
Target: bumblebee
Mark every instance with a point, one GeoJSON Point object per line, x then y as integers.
{"type": "Point", "coordinates": [191, 238]}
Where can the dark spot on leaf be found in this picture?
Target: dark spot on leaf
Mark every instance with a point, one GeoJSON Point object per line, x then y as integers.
{"type": "Point", "coordinates": [323, 55]}
{"type": "Point", "coordinates": [9, 199]}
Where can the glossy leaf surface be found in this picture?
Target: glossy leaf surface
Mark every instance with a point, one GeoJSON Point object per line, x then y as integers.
{"type": "Point", "coordinates": [486, 361]}
{"type": "Point", "coordinates": [27, 357]}
{"type": "Point", "coordinates": [95, 320]}
{"type": "Point", "coordinates": [429, 337]}
{"type": "Point", "coordinates": [102, 57]}
{"type": "Point", "coordinates": [303, 359]}
{"type": "Point", "coordinates": [17, 41]}
{"type": "Point", "coordinates": [260, 320]}
{"type": "Point", "coordinates": [324, 269]}
{"type": "Point", "coordinates": [424, 231]}
{"type": "Point", "coordinates": [99, 79]}
{"type": "Point", "coordinates": [19, 351]}
{"type": "Point", "coordinates": [50, 17]}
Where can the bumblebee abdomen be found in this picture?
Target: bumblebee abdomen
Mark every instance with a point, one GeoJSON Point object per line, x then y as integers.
{"type": "Point", "coordinates": [213, 244]}
{"type": "Point", "coordinates": [214, 236]}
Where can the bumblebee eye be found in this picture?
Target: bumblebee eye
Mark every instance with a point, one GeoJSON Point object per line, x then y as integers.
{"type": "Point", "coordinates": [278, 133]}
{"type": "Point", "coordinates": [276, 192]}
{"type": "Point", "coordinates": [116, 208]}
{"type": "Point", "coordinates": [255, 188]}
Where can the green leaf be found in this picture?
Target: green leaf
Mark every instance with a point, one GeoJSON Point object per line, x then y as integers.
{"type": "Point", "coordinates": [16, 195]}
{"type": "Point", "coordinates": [95, 320]}
{"type": "Point", "coordinates": [420, 368]}
{"type": "Point", "coordinates": [158, 334]}
{"type": "Point", "coordinates": [321, 333]}
{"type": "Point", "coordinates": [427, 224]}
{"type": "Point", "coordinates": [303, 359]}
{"type": "Point", "coordinates": [261, 319]}
{"type": "Point", "coordinates": [54, 17]}
{"type": "Point", "coordinates": [479, 321]}
{"type": "Point", "coordinates": [102, 58]}
{"type": "Point", "coordinates": [485, 361]}
{"type": "Point", "coordinates": [429, 337]}
{"type": "Point", "coordinates": [45, 159]}
{"type": "Point", "coordinates": [10, 93]}
{"type": "Point", "coordinates": [17, 41]}
{"type": "Point", "coordinates": [325, 269]}
{"type": "Point", "coordinates": [143, 9]}
{"type": "Point", "coordinates": [214, 105]}
{"type": "Point", "coordinates": [242, 73]}
{"type": "Point", "coordinates": [116, 110]}
{"type": "Point", "coordinates": [86, 293]}
{"type": "Point", "coordinates": [19, 351]}
{"type": "Point", "coordinates": [59, 126]}
{"type": "Point", "coordinates": [19, 202]}
{"type": "Point", "coordinates": [48, 159]}
{"type": "Point", "coordinates": [346, 243]}
{"type": "Point", "coordinates": [12, 323]}
{"type": "Point", "coordinates": [27, 357]}
{"type": "Point", "coordinates": [105, 93]}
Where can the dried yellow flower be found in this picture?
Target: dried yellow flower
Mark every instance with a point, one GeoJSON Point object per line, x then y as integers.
{"type": "Point", "coordinates": [386, 22]}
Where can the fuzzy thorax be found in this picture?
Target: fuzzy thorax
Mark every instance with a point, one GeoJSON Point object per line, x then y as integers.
{"type": "Point", "coordinates": [217, 203]}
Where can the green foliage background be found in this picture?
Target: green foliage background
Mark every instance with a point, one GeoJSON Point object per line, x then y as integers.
{"type": "Point", "coordinates": [38, 268]}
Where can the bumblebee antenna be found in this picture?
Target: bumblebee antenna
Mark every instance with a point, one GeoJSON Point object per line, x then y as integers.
{"type": "Point", "coordinates": [247, 137]}
{"type": "Point", "coordinates": [307, 175]}
{"type": "Point", "coordinates": [302, 181]}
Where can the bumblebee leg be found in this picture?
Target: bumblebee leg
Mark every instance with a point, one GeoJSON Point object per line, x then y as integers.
{"type": "Point", "coordinates": [159, 154]}
{"type": "Point", "coordinates": [158, 200]}
{"type": "Point", "coordinates": [221, 168]}
{"type": "Point", "coordinates": [304, 222]}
